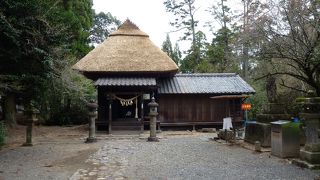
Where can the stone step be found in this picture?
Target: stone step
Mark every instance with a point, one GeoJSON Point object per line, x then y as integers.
{"type": "Point", "coordinates": [126, 128]}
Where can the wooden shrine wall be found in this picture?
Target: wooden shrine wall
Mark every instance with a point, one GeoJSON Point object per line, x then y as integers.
{"type": "Point", "coordinates": [197, 108]}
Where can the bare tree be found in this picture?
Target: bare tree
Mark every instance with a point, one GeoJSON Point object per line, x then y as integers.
{"type": "Point", "coordinates": [292, 41]}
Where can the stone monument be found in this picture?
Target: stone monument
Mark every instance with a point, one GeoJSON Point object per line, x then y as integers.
{"type": "Point", "coordinates": [31, 113]}
{"type": "Point", "coordinates": [260, 130]}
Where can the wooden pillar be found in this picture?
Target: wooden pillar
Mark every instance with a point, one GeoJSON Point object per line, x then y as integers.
{"type": "Point", "coordinates": [110, 115]}
{"type": "Point", "coordinates": [142, 114]}
{"type": "Point", "coordinates": [136, 109]}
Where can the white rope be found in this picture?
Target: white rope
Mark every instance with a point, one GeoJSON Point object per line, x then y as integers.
{"type": "Point", "coordinates": [126, 102]}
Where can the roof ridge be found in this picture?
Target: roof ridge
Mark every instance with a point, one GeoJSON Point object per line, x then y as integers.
{"type": "Point", "coordinates": [207, 74]}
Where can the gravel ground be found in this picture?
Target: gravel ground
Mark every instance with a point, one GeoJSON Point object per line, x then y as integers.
{"type": "Point", "coordinates": [177, 156]}
{"type": "Point", "coordinates": [196, 158]}
{"type": "Point", "coordinates": [191, 156]}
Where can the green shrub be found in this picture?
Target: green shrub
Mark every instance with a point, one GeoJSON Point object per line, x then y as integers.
{"type": "Point", "coordinates": [2, 133]}
{"type": "Point", "coordinates": [64, 102]}
{"type": "Point", "coordinates": [75, 114]}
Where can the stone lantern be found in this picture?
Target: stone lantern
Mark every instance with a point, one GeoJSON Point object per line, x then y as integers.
{"type": "Point", "coordinates": [310, 115]}
{"type": "Point", "coordinates": [31, 114]}
{"type": "Point", "coordinates": [153, 119]}
{"type": "Point", "coordinates": [92, 107]}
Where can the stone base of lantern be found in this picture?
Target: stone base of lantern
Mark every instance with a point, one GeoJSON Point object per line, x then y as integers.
{"type": "Point", "coordinates": [309, 157]}
{"type": "Point", "coordinates": [27, 144]}
{"type": "Point", "coordinates": [91, 140]}
{"type": "Point", "coordinates": [153, 139]}
{"type": "Point", "coordinates": [305, 164]}
{"type": "Point", "coordinates": [311, 153]}
{"type": "Point", "coordinates": [29, 134]}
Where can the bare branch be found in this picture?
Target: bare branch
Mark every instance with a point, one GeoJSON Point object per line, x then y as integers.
{"type": "Point", "coordinates": [293, 88]}
{"type": "Point", "coordinates": [173, 31]}
{"type": "Point", "coordinates": [302, 78]}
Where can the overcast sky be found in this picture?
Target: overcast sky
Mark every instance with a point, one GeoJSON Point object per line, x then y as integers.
{"type": "Point", "coordinates": [151, 17]}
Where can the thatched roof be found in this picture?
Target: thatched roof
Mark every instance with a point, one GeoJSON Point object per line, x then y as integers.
{"type": "Point", "coordinates": [127, 50]}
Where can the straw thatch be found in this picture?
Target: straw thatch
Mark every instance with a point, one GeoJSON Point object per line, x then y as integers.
{"type": "Point", "coordinates": [126, 50]}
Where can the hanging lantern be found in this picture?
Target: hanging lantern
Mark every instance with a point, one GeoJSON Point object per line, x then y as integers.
{"type": "Point", "coordinates": [246, 106]}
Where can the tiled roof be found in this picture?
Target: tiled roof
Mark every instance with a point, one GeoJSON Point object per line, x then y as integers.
{"type": "Point", "coordinates": [207, 83]}
{"type": "Point", "coordinates": [126, 81]}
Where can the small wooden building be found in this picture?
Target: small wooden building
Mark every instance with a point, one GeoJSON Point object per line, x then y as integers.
{"type": "Point", "coordinates": [128, 69]}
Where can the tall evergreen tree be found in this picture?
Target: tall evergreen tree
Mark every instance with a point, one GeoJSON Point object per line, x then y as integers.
{"type": "Point", "coordinates": [167, 46]}
{"type": "Point", "coordinates": [188, 64]}
{"type": "Point", "coordinates": [173, 53]}
{"type": "Point", "coordinates": [184, 20]}
{"type": "Point", "coordinates": [219, 52]}
{"type": "Point", "coordinates": [177, 55]}
{"type": "Point", "coordinates": [103, 25]}
{"type": "Point", "coordinates": [38, 44]}
{"type": "Point", "coordinates": [219, 55]}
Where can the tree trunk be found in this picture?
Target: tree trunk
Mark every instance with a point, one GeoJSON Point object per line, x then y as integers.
{"type": "Point", "coordinates": [226, 39]}
{"type": "Point", "coordinates": [245, 60]}
{"type": "Point", "coordinates": [194, 44]}
{"type": "Point", "coordinates": [271, 88]}
{"type": "Point", "coordinates": [10, 110]}
{"type": "Point", "coordinates": [317, 89]}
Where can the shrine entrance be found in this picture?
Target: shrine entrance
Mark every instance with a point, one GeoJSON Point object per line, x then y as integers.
{"type": "Point", "coordinates": [126, 106]}
{"type": "Point", "coordinates": [123, 103]}
{"type": "Point", "coordinates": [126, 111]}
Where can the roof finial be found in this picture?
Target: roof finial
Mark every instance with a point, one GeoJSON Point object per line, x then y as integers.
{"type": "Point", "coordinates": [128, 25]}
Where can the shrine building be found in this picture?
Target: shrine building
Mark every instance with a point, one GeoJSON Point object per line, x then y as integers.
{"type": "Point", "coordinates": [128, 69]}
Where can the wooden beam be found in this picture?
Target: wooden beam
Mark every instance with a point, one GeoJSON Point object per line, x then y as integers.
{"type": "Point", "coordinates": [230, 97]}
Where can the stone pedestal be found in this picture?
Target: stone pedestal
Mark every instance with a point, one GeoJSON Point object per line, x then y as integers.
{"type": "Point", "coordinates": [310, 154]}
{"type": "Point", "coordinates": [311, 151]}
{"type": "Point", "coordinates": [32, 117]}
{"type": "Point", "coordinates": [153, 131]}
{"type": "Point", "coordinates": [260, 130]}
{"type": "Point", "coordinates": [92, 124]}
{"type": "Point", "coordinates": [153, 120]}
{"type": "Point", "coordinates": [256, 131]}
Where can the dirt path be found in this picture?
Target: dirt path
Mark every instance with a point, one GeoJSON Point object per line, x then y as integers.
{"type": "Point", "coordinates": [57, 153]}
